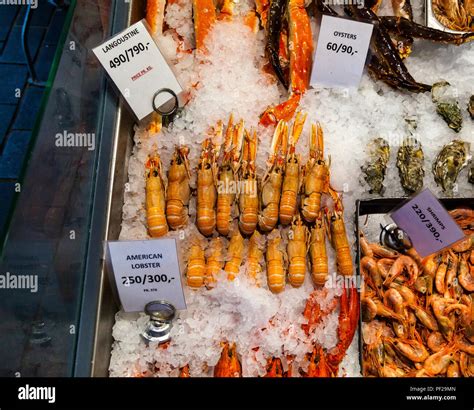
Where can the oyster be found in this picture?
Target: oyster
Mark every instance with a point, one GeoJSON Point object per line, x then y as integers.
{"type": "Point", "coordinates": [470, 107]}
{"type": "Point", "coordinates": [376, 165]}
{"type": "Point", "coordinates": [447, 105]}
{"type": "Point", "coordinates": [452, 158]}
{"type": "Point", "coordinates": [410, 161]}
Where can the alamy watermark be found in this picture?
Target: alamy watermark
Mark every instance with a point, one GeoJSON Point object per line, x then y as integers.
{"type": "Point", "coordinates": [358, 3]}
{"type": "Point", "coordinates": [75, 140]}
{"type": "Point", "coordinates": [28, 392]}
{"type": "Point", "coordinates": [238, 187]}
{"type": "Point", "coordinates": [32, 3]}
{"type": "Point", "coordinates": [336, 281]}
{"type": "Point", "coordinates": [11, 281]}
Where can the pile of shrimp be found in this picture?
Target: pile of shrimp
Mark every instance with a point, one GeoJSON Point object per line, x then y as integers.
{"type": "Point", "coordinates": [418, 313]}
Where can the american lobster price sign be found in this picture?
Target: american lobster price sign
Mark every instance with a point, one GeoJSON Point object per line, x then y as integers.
{"type": "Point", "coordinates": [146, 271]}
{"type": "Point", "coordinates": [428, 224]}
{"type": "Point", "coordinates": [341, 52]}
{"type": "Point", "coordinates": [136, 66]}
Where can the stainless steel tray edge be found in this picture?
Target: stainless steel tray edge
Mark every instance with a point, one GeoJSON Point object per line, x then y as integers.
{"type": "Point", "coordinates": [108, 303]}
{"type": "Point", "coordinates": [433, 22]}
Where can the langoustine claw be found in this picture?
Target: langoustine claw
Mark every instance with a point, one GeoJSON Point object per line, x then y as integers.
{"type": "Point", "coordinates": [348, 321]}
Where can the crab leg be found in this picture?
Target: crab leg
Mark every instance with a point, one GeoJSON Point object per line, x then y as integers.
{"type": "Point", "coordinates": [400, 8]}
{"type": "Point", "coordinates": [274, 26]}
{"type": "Point", "coordinates": [379, 70]}
{"type": "Point", "coordinates": [204, 14]}
{"type": "Point", "coordinates": [301, 56]}
{"type": "Point", "coordinates": [155, 13]}
{"type": "Point", "coordinates": [383, 47]}
{"type": "Point", "coordinates": [404, 27]}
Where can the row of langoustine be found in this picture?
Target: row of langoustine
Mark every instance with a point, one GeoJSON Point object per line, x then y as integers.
{"type": "Point", "coordinates": [302, 242]}
{"type": "Point", "coordinates": [283, 183]}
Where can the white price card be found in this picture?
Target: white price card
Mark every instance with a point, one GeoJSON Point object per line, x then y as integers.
{"type": "Point", "coordinates": [341, 52]}
{"type": "Point", "coordinates": [146, 271]}
{"type": "Point", "coordinates": [428, 224]}
{"type": "Point", "coordinates": [136, 66]}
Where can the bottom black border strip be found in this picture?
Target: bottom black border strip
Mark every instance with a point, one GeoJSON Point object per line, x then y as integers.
{"type": "Point", "coordinates": [245, 393]}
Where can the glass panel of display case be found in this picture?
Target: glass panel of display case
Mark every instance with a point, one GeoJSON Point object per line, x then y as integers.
{"type": "Point", "coordinates": [45, 250]}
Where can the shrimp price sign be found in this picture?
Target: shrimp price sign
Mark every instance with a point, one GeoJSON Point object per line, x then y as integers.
{"type": "Point", "coordinates": [136, 66]}
{"type": "Point", "coordinates": [341, 52]}
{"type": "Point", "coordinates": [146, 271]}
{"type": "Point", "coordinates": [428, 224]}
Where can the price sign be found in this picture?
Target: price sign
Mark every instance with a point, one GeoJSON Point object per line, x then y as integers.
{"type": "Point", "coordinates": [137, 67]}
{"type": "Point", "coordinates": [341, 52]}
{"type": "Point", "coordinates": [145, 271]}
{"type": "Point", "coordinates": [428, 224]}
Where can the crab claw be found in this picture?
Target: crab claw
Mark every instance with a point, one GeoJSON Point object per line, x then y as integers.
{"type": "Point", "coordinates": [312, 312]}
{"type": "Point", "coordinates": [283, 111]}
{"type": "Point", "coordinates": [298, 125]}
{"type": "Point", "coordinates": [316, 145]}
{"type": "Point", "coordinates": [279, 144]}
{"type": "Point", "coordinates": [237, 141]}
{"type": "Point", "coordinates": [337, 199]}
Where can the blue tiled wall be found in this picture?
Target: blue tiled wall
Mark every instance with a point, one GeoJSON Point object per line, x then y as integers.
{"type": "Point", "coordinates": [19, 100]}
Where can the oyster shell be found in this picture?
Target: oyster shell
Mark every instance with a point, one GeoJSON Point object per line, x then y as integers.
{"type": "Point", "coordinates": [452, 158]}
{"type": "Point", "coordinates": [376, 166]}
{"type": "Point", "coordinates": [447, 106]}
{"type": "Point", "coordinates": [410, 162]}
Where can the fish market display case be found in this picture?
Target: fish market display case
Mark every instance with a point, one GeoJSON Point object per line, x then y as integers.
{"type": "Point", "coordinates": [108, 305]}
{"type": "Point", "coordinates": [66, 212]}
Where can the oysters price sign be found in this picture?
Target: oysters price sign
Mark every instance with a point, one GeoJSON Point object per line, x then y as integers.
{"type": "Point", "coordinates": [136, 66]}
{"type": "Point", "coordinates": [341, 52]}
{"type": "Point", "coordinates": [145, 271]}
{"type": "Point", "coordinates": [428, 224]}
